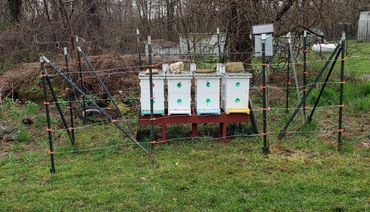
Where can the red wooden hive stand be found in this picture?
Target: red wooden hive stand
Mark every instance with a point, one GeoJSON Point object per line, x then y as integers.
{"type": "Point", "coordinates": [223, 119]}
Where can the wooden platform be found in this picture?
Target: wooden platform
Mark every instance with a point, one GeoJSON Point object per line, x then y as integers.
{"type": "Point", "coordinates": [223, 120]}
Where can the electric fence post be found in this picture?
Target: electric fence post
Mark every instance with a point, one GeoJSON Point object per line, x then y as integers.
{"type": "Point", "coordinates": [305, 73]}
{"type": "Point", "coordinates": [264, 114]}
{"type": "Point", "coordinates": [341, 95]}
{"type": "Point", "coordinates": [44, 75]}
{"type": "Point", "coordinates": [81, 85]}
{"type": "Point", "coordinates": [219, 46]}
{"type": "Point", "coordinates": [151, 93]}
{"type": "Point", "coordinates": [138, 49]}
{"type": "Point", "coordinates": [287, 85]}
{"type": "Point", "coordinates": [70, 91]}
{"type": "Point", "coordinates": [263, 48]}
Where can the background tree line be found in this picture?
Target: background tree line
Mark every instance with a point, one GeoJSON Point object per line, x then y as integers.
{"type": "Point", "coordinates": [29, 27]}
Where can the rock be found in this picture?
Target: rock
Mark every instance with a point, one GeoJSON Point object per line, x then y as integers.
{"type": "Point", "coordinates": [8, 133]}
{"type": "Point", "coordinates": [177, 68]}
{"type": "Point", "coordinates": [12, 136]}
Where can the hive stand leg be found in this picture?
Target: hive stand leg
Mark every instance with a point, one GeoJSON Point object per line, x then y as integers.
{"type": "Point", "coordinates": [164, 127]}
{"type": "Point", "coordinates": [223, 130]}
{"type": "Point", "coordinates": [194, 130]}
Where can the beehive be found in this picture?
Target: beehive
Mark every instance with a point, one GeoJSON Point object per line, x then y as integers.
{"type": "Point", "coordinates": [207, 93]}
{"type": "Point", "coordinates": [179, 93]}
{"type": "Point", "coordinates": [235, 92]}
{"type": "Point", "coordinates": [158, 94]}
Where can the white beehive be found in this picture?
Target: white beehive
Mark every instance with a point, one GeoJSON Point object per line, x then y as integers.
{"type": "Point", "coordinates": [179, 93]}
{"type": "Point", "coordinates": [207, 93]}
{"type": "Point", "coordinates": [235, 92]}
{"type": "Point", "coordinates": [158, 93]}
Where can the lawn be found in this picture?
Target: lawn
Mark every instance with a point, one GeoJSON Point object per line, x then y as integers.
{"type": "Point", "coordinates": [359, 57]}
{"type": "Point", "coordinates": [201, 175]}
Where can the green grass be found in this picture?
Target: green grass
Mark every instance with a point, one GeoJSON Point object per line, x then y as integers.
{"type": "Point", "coordinates": [359, 60]}
{"type": "Point", "coordinates": [198, 176]}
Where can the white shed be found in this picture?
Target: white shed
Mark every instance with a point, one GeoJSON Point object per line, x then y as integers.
{"type": "Point", "coordinates": [202, 43]}
{"type": "Point", "coordinates": [363, 32]}
{"type": "Point", "coordinates": [163, 47]}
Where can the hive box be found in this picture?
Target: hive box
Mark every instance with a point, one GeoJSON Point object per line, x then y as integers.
{"type": "Point", "coordinates": [235, 92]}
{"type": "Point", "coordinates": [179, 93]}
{"type": "Point", "coordinates": [158, 93]}
{"type": "Point", "coordinates": [207, 93]}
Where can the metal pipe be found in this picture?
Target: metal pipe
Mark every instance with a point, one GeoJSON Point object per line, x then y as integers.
{"type": "Point", "coordinates": [287, 84]}
{"type": "Point", "coordinates": [70, 100]}
{"type": "Point", "coordinates": [59, 109]}
{"type": "Point", "coordinates": [92, 69]}
{"type": "Point", "coordinates": [219, 46]}
{"type": "Point", "coordinates": [284, 129]}
{"type": "Point", "coordinates": [138, 49]}
{"type": "Point", "coordinates": [292, 60]}
{"type": "Point", "coordinates": [324, 86]}
{"type": "Point", "coordinates": [82, 87]}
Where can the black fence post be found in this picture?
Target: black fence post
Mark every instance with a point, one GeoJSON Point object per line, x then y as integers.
{"type": "Point", "coordinates": [44, 76]}
{"type": "Point", "coordinates": [341, 95]}
{"type": "Point", "coordinates": [150, 61]}
{"type": "Point", "coordinates": [305, 73]}
{"type": "Point", "coordinates": [266, 148]}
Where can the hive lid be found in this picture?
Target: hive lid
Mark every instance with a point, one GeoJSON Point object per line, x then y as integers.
{"type": "Point", "coordinates": [182, 75]}
{"type": "Point", "coordinates": [144, 75]}
{"type": "Point", "coordinates": [207, 75]}
{"type": "Point", "coordinates": [238, 75]}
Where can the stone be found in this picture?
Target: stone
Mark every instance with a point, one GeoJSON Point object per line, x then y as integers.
{"type": "Point", "coordinates": [177, 68]}
{"type": "Point", "coordinates": [8, 133]}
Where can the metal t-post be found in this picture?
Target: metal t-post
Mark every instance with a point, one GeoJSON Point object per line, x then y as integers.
{"type": "Point", "coordinates": [341, 106]}
{"type": "Point", "coordinates": [305, 51]}
{"type": "Point", "coordinates": [266, 148]}
{"type": "Point", "coordinates": [47, 111]}
{"type": "Point", "coordinates": [82, 86]}
{"type": "Point", "coordinates": [138, 48]}
{"type": "Point", "coordinates": [70, 104]}
{"type": "Point", "coordinates": [219, 45]}
{"type": "Point", "coordinates": [151, 89]}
